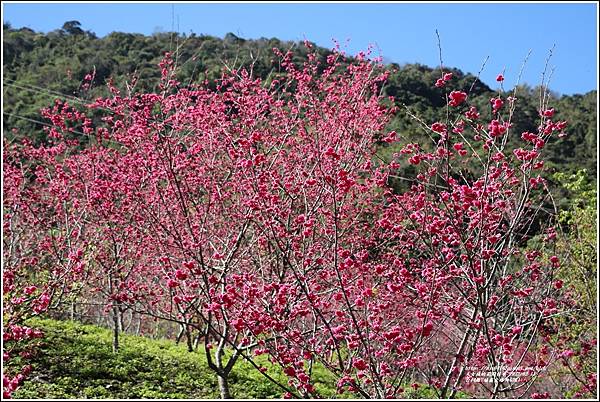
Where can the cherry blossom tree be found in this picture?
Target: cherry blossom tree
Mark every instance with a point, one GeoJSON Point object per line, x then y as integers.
{"type": "Point", "coordinates": [260, 215]}
{"type": "Point", "coordinates": [45, 236]}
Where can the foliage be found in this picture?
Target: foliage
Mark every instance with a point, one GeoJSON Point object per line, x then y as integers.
{"type": "Point", "coordinates": [76, 361]}
{"type": "Point", "coordinates": [578, 247]}
{"type": "Point", "coordinates": [578, 242]}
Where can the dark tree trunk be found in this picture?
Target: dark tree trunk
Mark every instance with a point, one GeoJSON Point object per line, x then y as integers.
{"type": "Point", "coordinates": [115, 317]}
{"type": "Point", "coordinates": [188, 336]}
{"type": "Point", "coordinates": [116, 326]}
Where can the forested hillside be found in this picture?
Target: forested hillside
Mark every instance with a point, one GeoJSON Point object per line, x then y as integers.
{"type": "Point", "coordinates": [40, 67]}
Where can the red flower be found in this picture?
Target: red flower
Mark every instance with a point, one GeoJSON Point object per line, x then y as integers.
{"type": "Point", "coordinates": [496, 129]}
{"type": "Point", "coordinates": [360, 364]}
{"type": "Point", "coordinates": [438, 127]}
{"type": "Point", "coordinates": [500, 78]}
{"type": "Point", "coordinates": [457, 97]}
{"type": "Point", "coordinates": [331, 153]}
{"type": "Point", "coordinates": [427, 328]}
{"type": "Point", "coordinates": [30, 289]}
{"type": "Point", "coordinates": [497, 104]}
{"type": "Point", "coordinates": [472, 113]}
{"type": "Point", "coordinates": [414, 160]}
{"type": "Point", "coordinates": [548, 112]}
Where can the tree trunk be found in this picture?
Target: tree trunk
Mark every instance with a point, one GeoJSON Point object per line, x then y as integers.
{"type": "Point", "coordinates": [121, 318]}
{"type": "Point", "coordinates": [224, 386]}
{"type": "Point", "coordinates": [115, 317]}
{"type": "Point", "coordinates": [188, 336]}
{"type": "Point", "coordinates": [139, 325]}
{"type": "Point", "coordinates": [222, 372]}
{"type": "Point", "coordinates": [179, 335]}
{"type": "Point", "coordinates": [197, 340]}
{"type": "Point", "coordinates": [115, 344]}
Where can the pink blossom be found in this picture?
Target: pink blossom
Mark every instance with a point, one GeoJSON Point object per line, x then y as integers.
{"type": "Point", "coordinates": [456, 98]}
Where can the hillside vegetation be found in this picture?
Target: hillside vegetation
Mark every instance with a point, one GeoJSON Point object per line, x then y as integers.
{"type": "Point", "coordinates": [76, 361]}
{"type": "Point", "coordinates": [40, 67]}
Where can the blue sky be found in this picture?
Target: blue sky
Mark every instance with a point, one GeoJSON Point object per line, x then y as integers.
{"type": "Point", "coordinates": [404, 33]}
